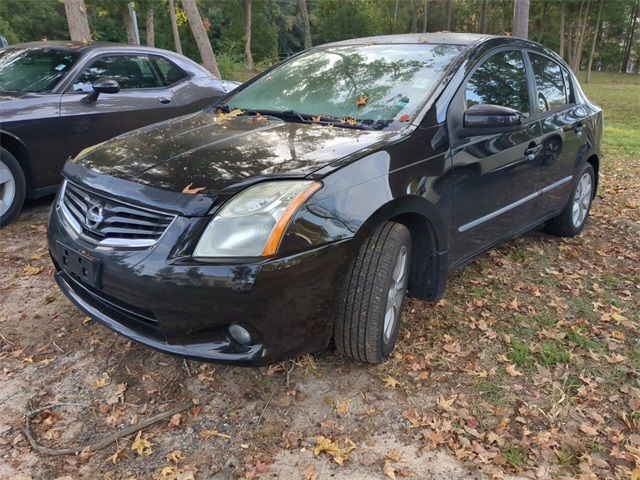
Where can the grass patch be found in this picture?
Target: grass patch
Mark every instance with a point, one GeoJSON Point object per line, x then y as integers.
{"type": "Point", "coordinates": [552, 354]}
{"type": "Point", "coordinates": [579, 337]}
{"type": "Point", "coordinates": [520, 354]}
{"type": "Point", "coordinates": [514, 454]}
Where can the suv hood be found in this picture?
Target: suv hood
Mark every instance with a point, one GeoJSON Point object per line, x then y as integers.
{"type": "Point", "coordinates": [218, 153]}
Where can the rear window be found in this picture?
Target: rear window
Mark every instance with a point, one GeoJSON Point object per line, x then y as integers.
{"type": "Point", "coordinates": [550, 84]}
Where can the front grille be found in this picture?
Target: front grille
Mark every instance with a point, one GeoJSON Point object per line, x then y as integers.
{"type": "Point", "coordinates": [111, 223]}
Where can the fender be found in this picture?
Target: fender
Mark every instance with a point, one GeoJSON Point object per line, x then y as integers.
{"type": "Point", "coordinates": [16, 147]}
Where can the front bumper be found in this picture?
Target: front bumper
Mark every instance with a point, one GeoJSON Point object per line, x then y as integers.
{"type": "Point", "coordinates": [182, 306]}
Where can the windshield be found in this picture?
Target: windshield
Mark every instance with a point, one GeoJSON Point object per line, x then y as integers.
{"type": "Point", "coordinates": [373, 84]}
{"type": "Point", "coordinates": [33, 70]}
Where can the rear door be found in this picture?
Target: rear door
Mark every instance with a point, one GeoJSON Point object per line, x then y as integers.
{"type": "Point", "coordinates": [143, 99]}
{"type": "Point", "coordinates": [561, 120]}
{"type": "Point", "coordinates": [495, 175]}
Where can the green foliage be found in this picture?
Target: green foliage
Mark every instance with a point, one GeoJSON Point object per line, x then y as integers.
{"type": "Point", "coordinates": [33, 20]}
{"type": "Point", "coordinates": [338, 19]}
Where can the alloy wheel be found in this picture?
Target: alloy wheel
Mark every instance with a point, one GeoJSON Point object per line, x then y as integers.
{"type": "Point", "coordinates": [582, 200]}
{"type": "Point", "coordinates": [7, 188]}
{"type": "Point", "coordinates": [395, 295]}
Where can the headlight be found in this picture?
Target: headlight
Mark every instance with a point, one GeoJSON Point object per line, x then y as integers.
{"type": "Point", "coordinates": [253, 222]}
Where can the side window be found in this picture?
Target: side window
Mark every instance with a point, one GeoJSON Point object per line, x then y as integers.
{"type": "Point", "coordinates": [550, 84]}
{"type": "Point", "coordinates": [130, 71]}
{"type": "Point", "coordinates": [169, 73]}
{"type": "Point", "coordinates": [500, 80]}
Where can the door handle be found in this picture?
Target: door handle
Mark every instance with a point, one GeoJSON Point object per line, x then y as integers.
{"type": "Point", "coordinates": [532, 151]}
{"type": "Point", "coordinates": [164, 100]}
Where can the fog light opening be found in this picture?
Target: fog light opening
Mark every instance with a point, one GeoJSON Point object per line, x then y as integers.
{"type": "Point", "coordinates": [239, 334]}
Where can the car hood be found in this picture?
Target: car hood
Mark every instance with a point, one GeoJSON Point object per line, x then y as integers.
{"type": "Point", "coordinates": [217, 152]}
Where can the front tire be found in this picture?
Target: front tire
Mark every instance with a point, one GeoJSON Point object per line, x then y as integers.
{"type": "Point", "coordinates": [12, 187]}
{"type": "Point", "coordinates": [573, 218]}
{"type": "Point", "coordinates": [370, 303]}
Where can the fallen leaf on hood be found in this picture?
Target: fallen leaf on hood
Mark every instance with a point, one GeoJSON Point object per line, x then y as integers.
{"type": "Point", "coordinates": [337, 452]}
{"type": "Point", "coordinates": [141, 445]}
{"type": "Point", "coordinates": [349, 120]}
{"type": "Point", "coordinates": [192, 190]}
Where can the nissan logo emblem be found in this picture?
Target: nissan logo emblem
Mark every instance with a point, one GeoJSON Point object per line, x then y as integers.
{"type": "Point", "coordinates": [94, 216]}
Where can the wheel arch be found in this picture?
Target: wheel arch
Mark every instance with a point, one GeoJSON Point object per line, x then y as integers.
{"type": "Point", "coordinates": [594, 160]}
{"type": "Point", "coordinates": [428, 271]}
{"type": "Point", "coordinates": [15, 147]}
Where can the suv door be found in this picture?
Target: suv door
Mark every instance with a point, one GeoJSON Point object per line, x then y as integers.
{"type": "Point", "coordinates": [143, 99]}
{"type": "Point", "coordinates": [495, 174]}
{"type": "Point", "coordinates": [561, 120]}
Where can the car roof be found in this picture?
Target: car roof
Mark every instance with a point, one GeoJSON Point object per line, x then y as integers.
{"type": "Point", "coordinates": [84, 47]}
{"type": "Point", "coordinates": [447, 38]}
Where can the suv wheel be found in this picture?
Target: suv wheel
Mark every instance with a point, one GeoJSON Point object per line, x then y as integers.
{"type": "Point", "coordinates": [12, 187]}
{"type": "Point", "coordinates": [370, 303]}
{"type": "Point", "coordinates": [574, 216]}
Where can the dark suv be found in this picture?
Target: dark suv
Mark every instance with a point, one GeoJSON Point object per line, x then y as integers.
{"type": "Point", "coordinates": [304, 205]}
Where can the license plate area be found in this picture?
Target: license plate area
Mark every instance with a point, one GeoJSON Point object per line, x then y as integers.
{"type": "Point", "coordinates": [80, 265]}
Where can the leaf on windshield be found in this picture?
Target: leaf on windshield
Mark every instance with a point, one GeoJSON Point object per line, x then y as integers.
{"type": "Point", "coordinates": [316, 119]}
{"type": "Point", "coordinates": [349, 121]}
{"type": "Point", "coordinates": [405, 118]}
{"type": "Point", "coordinates": [192, 190]}
{"type": "Point", "coordinates": [362, 100]}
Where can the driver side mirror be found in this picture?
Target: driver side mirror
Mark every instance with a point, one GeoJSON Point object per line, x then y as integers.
{"type": "Point", "coordinates": [484, 119]}
{"type": "Point", "coordinates": [102, 85]}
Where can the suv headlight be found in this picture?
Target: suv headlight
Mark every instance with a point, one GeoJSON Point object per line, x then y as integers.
{"type": "Point", "coordinates": [253, 222]}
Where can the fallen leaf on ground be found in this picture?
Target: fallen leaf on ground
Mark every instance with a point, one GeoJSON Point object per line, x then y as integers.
{"type": "Point", "coordinates": [391, 382]}
{"type": "Point", "coordinates": [342, 406]}
{"type": "Point", "coordinates": [337, 452]}
{"type": "Point", "coordinates": [141, 445]}
{"type": "Point", "coordinates": [207, 434]}
{"type": "Point", "coordinates": [175, 456]}
{"type": "Point", "coordinates": [31, 270]}
{"type": "Point", "coordinates": [389, 470]}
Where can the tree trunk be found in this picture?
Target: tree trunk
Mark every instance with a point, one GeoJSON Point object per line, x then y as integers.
{"type": "Point", "coordinates": [521, 19]}
{"type": "Point", "coordinates": [151, 33]}
{"type": "Point", "coordinates": [448, 14]}
{"type": "Point", "coordinates": [582, 29]}
{"type": "Point", "coordinates": [484, 16]}
{"type": "Point", "coordinates": [77, 19]}
{"type": "Point", "coordinates": [128, 24]}
{"type": "Point", "coordinates": [246, 15]}
{"type": "Point", "coordinates": [174, 27]}
{"type": "Point", "coordinates": [202, 39]}
{"type": "Point", "coordinates": [562, 14]}
{"type": "Point", "coordinates": [414, 16]}
{"type": "Point", "coordinates": [595, 41]}
{"type": "Point", "coordinates": [395, 16]}
{"type": "Point", "coordinates": [302, 4]}
{"type": "Point", "coordinates": [629, 43]}
{"type": "Point", "coordinates": [425, 11]}
{"type": "Point", "coordinates": [543, 20]}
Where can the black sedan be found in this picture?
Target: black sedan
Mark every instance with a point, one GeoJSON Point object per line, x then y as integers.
{"type": "Point", "coordinates": [57, 98]}
{"type": "Point", "coordinates": [303, 206]}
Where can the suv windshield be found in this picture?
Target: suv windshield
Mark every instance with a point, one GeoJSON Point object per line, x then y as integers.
{"type": "Point", "coordinates": [375, 85]}
{"type": "Point", "coordinates": [33, 70]}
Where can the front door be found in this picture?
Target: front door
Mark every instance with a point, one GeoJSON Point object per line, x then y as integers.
{"type": "Point", "coordinates": [495, 175]}
{"type": "Point", "coordinates": [142, 100]}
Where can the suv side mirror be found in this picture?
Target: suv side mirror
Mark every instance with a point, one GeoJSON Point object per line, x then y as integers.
{"type": "Point", "coordinates": [484, 119]}
{"type": "Point", "coordinates": [103, 85]}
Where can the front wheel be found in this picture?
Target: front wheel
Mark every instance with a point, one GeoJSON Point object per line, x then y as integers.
{"type": "Point", "coordinates": [573, 218]}
{"type": "Point", "coordinates": [12, 187]}
{"type": "Point", "coordinates": [370, 302]}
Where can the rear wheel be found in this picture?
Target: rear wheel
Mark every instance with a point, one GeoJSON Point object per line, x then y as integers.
{"type": "Point", "coordinates": [370, 303]}
{"type": "Point", "coordinates": [12, 187]}
{"type": "Point", "coordinates": [573, 218]}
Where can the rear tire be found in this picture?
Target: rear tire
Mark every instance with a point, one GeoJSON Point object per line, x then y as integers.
{"type": "Point", "coordinates": [573, 218]}
{"type": "Point", "coordinates": [370, 303]}
{"type": "Point", "coordinates": [13, 187]}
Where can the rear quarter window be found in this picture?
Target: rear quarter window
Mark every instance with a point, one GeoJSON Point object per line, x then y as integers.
{"type": "Point", "coordinates": [551, 89]}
